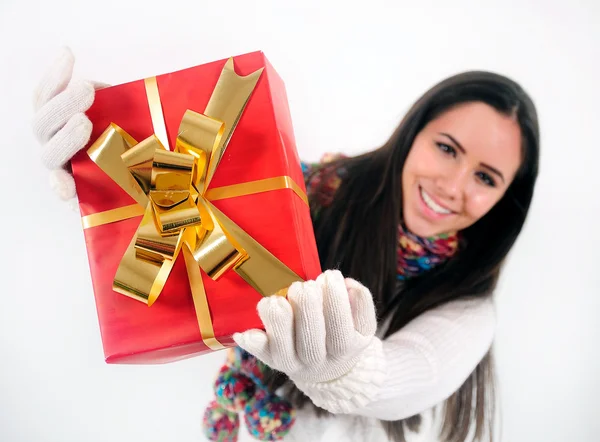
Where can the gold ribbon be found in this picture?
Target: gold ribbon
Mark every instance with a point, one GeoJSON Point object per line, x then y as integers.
{"type": "Point", "coordinates": [171, 191]}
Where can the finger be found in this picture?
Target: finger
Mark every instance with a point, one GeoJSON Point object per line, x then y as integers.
{"type": "Point", "coordinates": [73, 205]}
{"type": "Point", "coordinates": [99, 85]}
{"type": "Point", "coordinates": [339, 326]}
{"type": "Point", "coordinates": [55, 80]}
{"type": "Point", "coordinates": [363, 308]}
{"type": "Point", "coordinates": [73, 137]}
{"type": "Point", "coordinates": [256, 343]}
{"type": "Point", "coordinates": [52, 116]}
{"type": "Point", "coordinates": [306, 300]}
{"type": "Point", "coordinates": [278, 318]}
{"type": "Point", "coordinates": [62, 184]}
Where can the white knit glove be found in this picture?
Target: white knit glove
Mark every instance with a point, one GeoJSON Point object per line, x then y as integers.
{"type": "Point", "coordinates": [60, 123]}
{"type": "Point", "coordinates": [323, 338]}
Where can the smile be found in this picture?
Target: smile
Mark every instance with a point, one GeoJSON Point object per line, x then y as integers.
{"type": "Point", "coordinates": [428, 200]}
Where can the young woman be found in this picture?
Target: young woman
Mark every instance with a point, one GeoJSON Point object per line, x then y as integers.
{"type": "Point", "coordinates": [413, 235]}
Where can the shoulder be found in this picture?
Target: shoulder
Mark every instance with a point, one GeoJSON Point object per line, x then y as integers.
{"type": "Point", "coordinates": [311, 166]}
{"type": "Point", "coordinates": [455, 335]}
{"type": "Point", "coordinates": [481, 311]}
{"type": "Point", "coordinates": [470, 314]}
{"type": "Point", "coordinates": [322, 178]}
{"type": "Point", "coordinates": [473, 321]}
{"type": "Point", "coordinates": [429, 358]}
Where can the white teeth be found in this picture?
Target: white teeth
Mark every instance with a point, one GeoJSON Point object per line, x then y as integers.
{"type": "Point", "coordinates": [433, 205]}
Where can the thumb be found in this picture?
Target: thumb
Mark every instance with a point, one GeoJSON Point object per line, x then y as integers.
{"type": "Point", "coordinates": [363, 308]}
{"type": "Point", "coordinates": [62, 184]}
{"type": "Point", "coordinates": [99, 85]}
{"type": "Point", "coordinates": [256, 343]}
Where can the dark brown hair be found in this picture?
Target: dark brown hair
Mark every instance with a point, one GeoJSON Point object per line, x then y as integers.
{"type": "Point", "coordinates": [357, 234]}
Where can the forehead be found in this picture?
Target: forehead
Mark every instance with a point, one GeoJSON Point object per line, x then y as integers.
{"type": "Point", "coordinates": [486, 135]}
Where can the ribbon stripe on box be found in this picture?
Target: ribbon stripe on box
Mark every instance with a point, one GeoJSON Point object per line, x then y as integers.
{"type": "Point", "coordinates": [171, 192]}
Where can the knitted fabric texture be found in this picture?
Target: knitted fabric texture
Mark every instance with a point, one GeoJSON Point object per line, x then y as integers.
{"type": "Point", "coordinates": [415, 256]}
{"type": "Point", "coordinates": [239, 389]}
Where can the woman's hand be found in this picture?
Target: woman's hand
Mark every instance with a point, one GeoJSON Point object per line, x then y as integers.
{"type": "Point", "coordinates": [60, 123]}
{"type": "Point", "coordinates": [321, 334]}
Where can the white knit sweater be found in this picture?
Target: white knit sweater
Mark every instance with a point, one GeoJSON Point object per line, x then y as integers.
{"type": "Point", "coordinates": [427, 361]}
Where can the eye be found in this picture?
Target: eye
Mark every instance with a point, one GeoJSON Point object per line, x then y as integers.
{"type": "Point", "coordinates": [446, 149]}
{"type": "Point", "coordinates": [486, 179]}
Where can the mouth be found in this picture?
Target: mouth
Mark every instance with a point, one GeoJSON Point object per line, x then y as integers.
{"type": "Point", "coordinates": [431, 204]}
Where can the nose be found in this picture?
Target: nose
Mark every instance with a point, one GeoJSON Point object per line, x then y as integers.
{"type": "Point", "coordinates": [453, 183]}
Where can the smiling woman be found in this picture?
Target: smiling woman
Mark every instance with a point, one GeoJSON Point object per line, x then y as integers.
{"type": "Point", "coordinates": [459, 167]}
{"type": "Point", "coordinates": [412, 235]}
{"type": "Point", "coordinates": [425, 222]}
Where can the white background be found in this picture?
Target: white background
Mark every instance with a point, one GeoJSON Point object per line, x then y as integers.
{"type": "Point", "coordinates": [351, 72]}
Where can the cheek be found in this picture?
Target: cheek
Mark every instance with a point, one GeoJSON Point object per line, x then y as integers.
{"type": "Point", "coordinates": [422, 162]}
{"type": "Point", "coordinates": [480, 202]}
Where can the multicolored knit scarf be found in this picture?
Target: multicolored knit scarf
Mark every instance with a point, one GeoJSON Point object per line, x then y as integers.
{"type": "Point", "coordinates": [239, 387]}
{"type": "Point", "coordinates": [416, 255]}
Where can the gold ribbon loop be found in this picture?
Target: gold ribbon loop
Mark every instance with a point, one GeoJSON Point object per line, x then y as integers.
{"type": "Point", "coordinates": [172, 188]}
{"type": "Point", "coordinates": [138, 161]}
{"type": "Point", "coordinates": [227, 103]}
{"type": "Point", "coordinates": [199, 136]}
{"type": "Point", "coordinates": [107, 153]}
{"type": "Point", "coordinates": [218, 251]}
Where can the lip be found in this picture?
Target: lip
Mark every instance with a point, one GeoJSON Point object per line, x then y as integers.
{"type": "Point", "coordinates": [428, 212]}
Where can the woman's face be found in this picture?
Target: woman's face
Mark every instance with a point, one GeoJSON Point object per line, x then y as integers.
{"type": "Point", "coordinates": [458, 168]}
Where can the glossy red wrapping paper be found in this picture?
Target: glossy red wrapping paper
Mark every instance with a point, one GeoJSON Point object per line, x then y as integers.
{"type": "Point", "coordinates": [262, 146]}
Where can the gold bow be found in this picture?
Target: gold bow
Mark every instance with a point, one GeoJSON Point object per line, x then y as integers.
{"type": "Point", "coordinates": [171, 190]}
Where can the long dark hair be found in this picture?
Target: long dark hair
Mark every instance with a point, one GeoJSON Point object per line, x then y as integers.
{"type": "Point", "coordinates": [357, 234]}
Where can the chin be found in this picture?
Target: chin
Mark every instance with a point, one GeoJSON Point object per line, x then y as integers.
{"type": "Point", "coordinates": [423, 227]}
{"type": "Point", "coordinates": [420, 227]}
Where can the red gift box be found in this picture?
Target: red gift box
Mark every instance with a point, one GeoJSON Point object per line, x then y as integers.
{"type": "Point", "coordinates": [262, 146]}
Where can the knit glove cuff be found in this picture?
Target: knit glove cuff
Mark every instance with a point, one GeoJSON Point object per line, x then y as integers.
{"type": "Point", "coordinates": [323, 338]}
{"type": "Point", "coordinates": [355, 389]}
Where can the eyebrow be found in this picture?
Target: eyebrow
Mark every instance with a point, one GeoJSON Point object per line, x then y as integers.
{"type": "Point", "coordinates": [462, 149]}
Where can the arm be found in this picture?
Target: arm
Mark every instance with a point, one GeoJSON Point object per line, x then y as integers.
{"type": "Point", "coordinates": [323, 338]}
{"type": "Point", "coordinates": [430, 358]}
